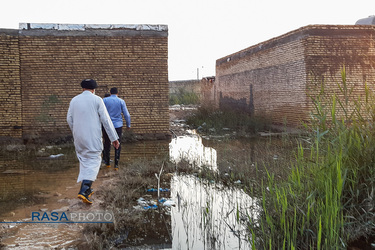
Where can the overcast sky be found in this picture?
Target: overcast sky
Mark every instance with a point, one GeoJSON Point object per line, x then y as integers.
{"type": "Point", "coordinates": [200, 31]}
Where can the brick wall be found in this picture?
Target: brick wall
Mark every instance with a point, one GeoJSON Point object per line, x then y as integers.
{"type": "Point", "coordinates": [208, 91]}
{"type": "Point", "coordinates": [10, 85]}
{"type": "Point", "coordinates": [272, 78]}
{"type": "Point", "coordinates": [330, 48]}
{"type": "Point", "coordinates": [54, 62]}
{"type": "Point", "coordinates": [204, 88]}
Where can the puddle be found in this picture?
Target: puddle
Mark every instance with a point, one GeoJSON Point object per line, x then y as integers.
{"type": "Point", "coordinates": [44, 236]}
{"type": "Point", "coordinates": [190, 148]}
{"type": "Point", "coordinates": [205, 215]}
{"type": "Point", "coordinates": [39, 184]}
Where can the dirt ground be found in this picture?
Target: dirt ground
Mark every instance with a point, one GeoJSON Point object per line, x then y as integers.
{"type": "Point", "coordinates": [59, 236]}
{"type": "Point", "coordinates": [37, 236]}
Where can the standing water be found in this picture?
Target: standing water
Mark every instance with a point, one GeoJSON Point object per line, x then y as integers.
{"type": "Point", "coordinates": [206, 215]}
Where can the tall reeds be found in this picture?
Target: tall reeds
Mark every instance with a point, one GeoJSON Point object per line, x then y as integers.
{"type": "Point", "coordinates": [327, 201]}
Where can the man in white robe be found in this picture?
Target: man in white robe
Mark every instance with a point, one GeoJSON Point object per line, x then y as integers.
{"type": "Point", "coordinates": [86, 116]}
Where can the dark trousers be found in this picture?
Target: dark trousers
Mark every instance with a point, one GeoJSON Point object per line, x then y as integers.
{"type": "Point", "coordinates": [107, 147]}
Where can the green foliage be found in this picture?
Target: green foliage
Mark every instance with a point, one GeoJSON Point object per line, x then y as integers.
{"type": "Point", "coordinates": [183, 97]}
{"type": "Point", "coordinates": [327, 201]}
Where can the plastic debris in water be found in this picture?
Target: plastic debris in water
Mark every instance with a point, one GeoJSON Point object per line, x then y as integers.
{"type": "Point", "coordinates": [155, 190]}
{"type": "Point", "coordinates": [169, 203]}
{"type": "Point", "coordinates": [162, 200]}
{"type": "Point", "coordinates": [150, 207]}
{"type": "Point", "coordinates": [144, 204]}
{"type": "Point", "coordinates": [55, 156]}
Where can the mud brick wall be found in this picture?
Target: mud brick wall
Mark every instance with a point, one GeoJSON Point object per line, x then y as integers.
{"type": "Point", "coordinates": [204, 88]}
{"type": "Point", "coordinates": [208, 91]}
{"type": "Point", "coordinates": [54, 62]}
{"type": "Point", "coordinates": [328, 49]}
{"type": "Point", "coordinates": [10, 85]}
{"type": "Point", "coordinates": [273, 78]}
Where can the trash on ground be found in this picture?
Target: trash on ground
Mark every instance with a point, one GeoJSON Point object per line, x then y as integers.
{"type": "Point", "coordinates": [144, 204]}
{"type": "Point", "coordinates": [155, 190]}
{"type": "Point", "coordinates": [55, 156]}
{"type": "Point", "coordinates": [169, 203]}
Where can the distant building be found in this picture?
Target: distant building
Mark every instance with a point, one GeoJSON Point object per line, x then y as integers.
{"type": "Point", "coordinates": [203, 88]}
{"type": "Point", "coordinates": [273, 78]}
{"type": "Point", "coordinates": [192, 86]}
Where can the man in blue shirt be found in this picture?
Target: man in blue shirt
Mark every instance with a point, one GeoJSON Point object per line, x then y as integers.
{"type": "Point", "coordinates": [115, 107]}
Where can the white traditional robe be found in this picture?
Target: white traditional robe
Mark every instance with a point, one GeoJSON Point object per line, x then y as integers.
{"type": "Point", "coordinates": [86, 115]}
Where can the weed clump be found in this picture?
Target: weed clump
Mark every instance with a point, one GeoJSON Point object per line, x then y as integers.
{"type": "Point", "coordinates": [134, 226]}
{"type": "Point", "coordinates": [327, 201]}
{"type": "Point", "coordinates": [183, 97]}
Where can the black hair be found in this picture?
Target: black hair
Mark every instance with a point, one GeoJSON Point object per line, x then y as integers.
{"type": "Point", "coordinates": [113, 91]}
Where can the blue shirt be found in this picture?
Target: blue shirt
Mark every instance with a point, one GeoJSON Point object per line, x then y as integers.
{"type": "Point", "coordinates": [116, 106]}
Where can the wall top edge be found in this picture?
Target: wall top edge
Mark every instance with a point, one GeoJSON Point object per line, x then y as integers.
{"type": "Point", "coordinates": [305, 31]}
{"type": "Point", "coordinates": [84, 27]}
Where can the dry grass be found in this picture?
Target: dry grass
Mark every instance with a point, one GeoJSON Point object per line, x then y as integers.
{"type": "Point", "coordinates": [133, 226]}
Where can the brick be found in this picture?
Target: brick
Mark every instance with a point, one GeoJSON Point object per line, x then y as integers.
{"type": "Point", "coordinates": [41, 71]}
{"type": "Point", "coordinates": [273, 78]}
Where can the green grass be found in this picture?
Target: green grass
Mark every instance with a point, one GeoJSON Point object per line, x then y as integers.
{"type": "Point", "coordinates": [327, 201]}
{"type": "Point", "coordinates": [183, 97]}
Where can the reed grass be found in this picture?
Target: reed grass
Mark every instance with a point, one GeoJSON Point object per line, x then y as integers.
{"type": "Point", "coordinates": [327, 201]}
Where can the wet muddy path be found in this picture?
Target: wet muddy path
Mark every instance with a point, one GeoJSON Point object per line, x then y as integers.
{"type": "Point", "coordinates": [43, 180]}
{"type": "Point", "coordinates": [40, 184]}
{"type": "Point", "coordinates": [202, 214]}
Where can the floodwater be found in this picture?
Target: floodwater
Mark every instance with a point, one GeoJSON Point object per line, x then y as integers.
{"type": "Point", "coordinates": [206, 214]}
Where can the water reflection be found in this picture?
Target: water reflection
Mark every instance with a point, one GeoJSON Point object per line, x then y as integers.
{"type": "Point", "coordinates": [26, 176]}
{"type": "Point", "coordinates": [191, 149]}
{"type": "Point", "coordinates": [206, 215]}
{"type": "Point", "coordinates": [25, 180]}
